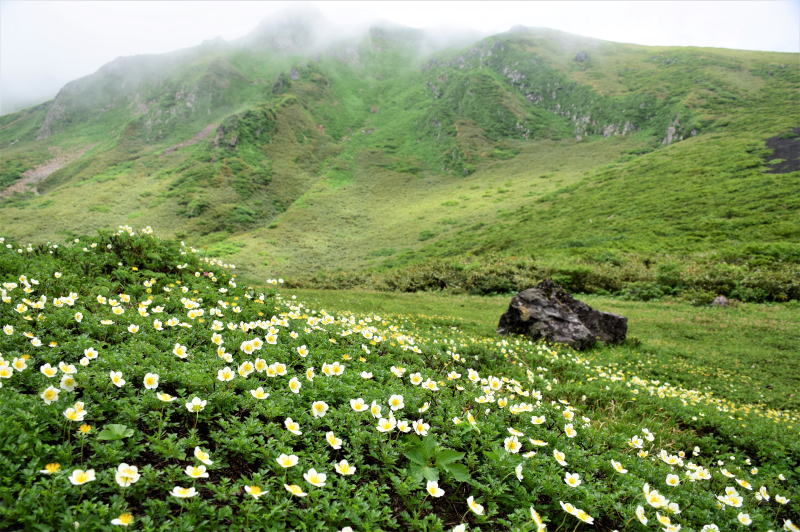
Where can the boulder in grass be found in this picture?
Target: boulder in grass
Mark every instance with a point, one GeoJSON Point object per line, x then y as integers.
{"type": "Point", "coordinates": [548, 312]}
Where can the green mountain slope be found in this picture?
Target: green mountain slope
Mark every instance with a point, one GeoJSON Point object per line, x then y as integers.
{"type": "Point", "coordinates": [384, 152]}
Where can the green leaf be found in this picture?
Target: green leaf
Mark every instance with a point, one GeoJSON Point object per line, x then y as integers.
{"type": "Point", "coordinates": [415, 472]}
{"type": "Point", "coordinates": [430, 473]}
{"type": "Point", "coordinates": [446, 456]}
{"type": "Point", "coordinates": [459, 471]}
{"type": "Point", "coordinates": [114, 431]}
{"type": "Point", "coordinates": [429, 446]}
{"type": "Point", "coordinates": [492, 455]}
{"type": "Point", "coordinates": [417, 456]}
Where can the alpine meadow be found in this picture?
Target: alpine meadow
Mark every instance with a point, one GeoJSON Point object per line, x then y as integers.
{"type": "Point", "coordinates": [255, 285]}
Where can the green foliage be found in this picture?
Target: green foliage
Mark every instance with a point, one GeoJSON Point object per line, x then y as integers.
{"type": "Point", "coordinates": [11, 171]}
{"type": "Point", "coordinates": [114, 431]}
{"type": "Point", "coordinates": [628, 276]}
{"type": "Point", "coordinates": [428, 461]}
{"type": "Point", "coordinates": [138, 296]}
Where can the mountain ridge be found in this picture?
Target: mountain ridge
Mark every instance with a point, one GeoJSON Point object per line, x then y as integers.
{"type": "Point", "coordinates": [523, 125]}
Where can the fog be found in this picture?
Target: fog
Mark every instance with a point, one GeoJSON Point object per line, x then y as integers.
{"type": "Point", "coordinates": [43, 45]}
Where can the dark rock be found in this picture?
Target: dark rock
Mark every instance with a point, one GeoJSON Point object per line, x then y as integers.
{"type": "Point", "coordinates": [549, 312]}
{"type": "Point", "coordinates": [580, 57]}
{"type": "Point", "coordinates": [786, 155]}
{"type": "Point", "coordinates": [721, 301]}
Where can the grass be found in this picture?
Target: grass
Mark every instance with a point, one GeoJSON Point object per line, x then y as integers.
{"type": "Point", "coordinates": [466, 397]}
{"type": "Point", "coordinates": [747, 352]}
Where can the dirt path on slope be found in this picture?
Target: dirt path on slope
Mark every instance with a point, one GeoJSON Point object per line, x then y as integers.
{"type": "Point", "coordinates": [194, 140]}
{"type": "Point", "coordinates": [30, 178]}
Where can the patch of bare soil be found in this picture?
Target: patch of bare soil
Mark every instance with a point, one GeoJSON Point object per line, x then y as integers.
{"type": "Point", "coordinates": [30, 178]}
{"type": "Point", "coordinates": [194, 140]}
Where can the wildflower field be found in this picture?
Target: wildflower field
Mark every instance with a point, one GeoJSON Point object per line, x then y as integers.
{"type": "Point", "coordinates": [143, 386]}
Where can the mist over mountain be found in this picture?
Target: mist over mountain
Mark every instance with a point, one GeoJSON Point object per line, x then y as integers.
{"type": "Point", "coordinates": [306, 151]}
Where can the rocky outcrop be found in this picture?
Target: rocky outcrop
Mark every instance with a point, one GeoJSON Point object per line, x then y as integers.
{"type": "Point", "coordinates": [548, 312]}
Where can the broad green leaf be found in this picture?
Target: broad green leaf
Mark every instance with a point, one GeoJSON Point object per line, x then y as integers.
{"type": "Point", "coordinates": [429, 446]}
{"type": "Point", "coordinates": [114, 431]}
{"type": "Point", "coordinates": [417, 456]}
{"type": "Point", "coordinates": [446, 456]}
{"type": "Point", "coordinates": [430, 473]}
{"type": "Point", "coordinates": [416, 474]}
{"type": "Point", "coordinates": [459, 471]}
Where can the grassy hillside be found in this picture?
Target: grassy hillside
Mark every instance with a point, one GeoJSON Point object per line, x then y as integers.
{"type": "Point", "coordinates": [109, 341]}
{"type": "Point", "coordinates": [616, 168]}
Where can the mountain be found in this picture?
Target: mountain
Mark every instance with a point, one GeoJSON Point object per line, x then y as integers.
{"type": "Point", "coordinates": [396, 158]}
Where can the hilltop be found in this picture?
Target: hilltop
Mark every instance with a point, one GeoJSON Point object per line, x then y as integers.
{"type": "Point", "coordinates": [398, 160]}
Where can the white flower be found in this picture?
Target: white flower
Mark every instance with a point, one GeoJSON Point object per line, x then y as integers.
{"type": "Point", "coordinates": [287, 461]}
{"type": "Point", "coordinates": [48, 371]}
{"type": "Point", "coordinates": [292, 426]}
{"type": "Point", "coordinates": [225, 374]}
{"type": "Point", "coordinates": [332, 440]}
{"type": "Point", "coordinates": [183, 493]}
{"type": "Point", "coordinates": [196, 405]}
{"type": "Point", "coordinates": [79, 476]}
{"type": "Point", "coordinates": [196, 471]}
{"type": "Point", "coordinates": [640, 515]}
{"type": "Point", "coordinates": [254, 491]}
{"type": "Point", "coordinates": [344, 468]}
{"type": "Point", "coordinates": [396, 402]}
{"type": "Point", "coordinates": [126, 475]}
{"type": "Point", "coordinates": [319, 408]}
{"type": "Point", "coordinates": [433, 489]}
{"type": "Point", "coordinates": [358, 405]}
{"type": "Point", "coordinates": [572, 480]}
{"type": "Point", "coordinates": [474, 506]}
{"type": "Point", "coordinates": [386, 425]}
{"type": "Point", "coordinates": [259, 393]}
{"type": "Point", "coordinates": [618, 467]}
{"type": "Point", "coordinates": [420, 427]}
{"type": "Point", "coordinates": [67, 383]}
{"type": "Point", "coordinates": [50, 395]}
{"type": "Point", "coordinates": [151, 381]}
{"type": "Point", "coordinates": [116, 379]}
{"type": "Point", "coordinates": [512, 445]}
{"type": "Point", "coordinates": [314, 478]}
{"type": "Point", "coordinates": [398, 371]}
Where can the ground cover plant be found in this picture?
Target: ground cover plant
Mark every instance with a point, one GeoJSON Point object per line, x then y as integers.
{"type": "Point", "coordinates": [145, 387]}
{"type": "Point", "coordinates": [745, 352]}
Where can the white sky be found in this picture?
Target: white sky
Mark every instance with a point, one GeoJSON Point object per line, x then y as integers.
{"type": "Point", "coordinates": [44, 44]}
